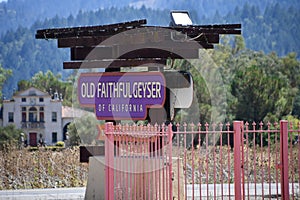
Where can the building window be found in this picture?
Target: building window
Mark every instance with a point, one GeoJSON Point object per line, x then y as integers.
{"type": "Point", "coordinates": [23, 99]}
{"type": "Point", "coordinates": [32, 114]}
{"type": "Point", "coordinates": [42, 119]}
{"type": "Point", "coordinates": [54, 137]}
{"type": "Point", "coordinates": [54, 116]}
{"type": "Point", "coordinates": [41, 99]}
{"type": "Point", "coordinates": [10, 117]}
{"type": "Point", "coordinates": [23, 116]}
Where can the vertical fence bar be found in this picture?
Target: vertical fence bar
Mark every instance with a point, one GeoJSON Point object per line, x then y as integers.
{"type": "Point", "coordinates": [178, 161]}
{"type": "Point", "coordinates": [269, 157]}
{"type": "Point", "coordinates": [199, 161]}
{"type": "Point", "coordinates": [276, 159]}
{"type": "Point", "coordinates": [207, 159]}
{"type": "Point", "coordinates": [109, 161]}
{"type": "Point", "coordinates": [164, 175]}
{"type": "Point", "coordinates": [127, 156]}
{"type": "Point", "coordinates": [228, 164]}
{"type": "Point", "coordinates": [254, 160]}
{"type": "Point", "coordinates": [246, 164]}
{"type": "Point", "coordinates": [214, 159]}
{"type": "Point", "coordinates": [193, 164]}
{"type": "Point", "coordinates": [284, 159]}
{"type": "Point", "coordinates": [291, 160]}
{"type": "Point", "coordinates": [221, 160]}
{"type": "Point", "coordinates": [242, 160]}
{"type": "Point", "coordinates": [237, 159]}
{"type": "Point", "coordinates": [262, 173]}
{"type": "Point", "coordinates": [170, 135]}
{"type": "Point", "coordinates": [185, 155]}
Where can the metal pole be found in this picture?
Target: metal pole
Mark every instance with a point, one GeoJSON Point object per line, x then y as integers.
{"type": "Point", "coordinates": [284, 154]}
{"type": "Point", "coordinates": [237, 128]}
{"type": "Point", "coordinates": [109, 161]}
{"type": "Point", "coordinates": [170, 135]}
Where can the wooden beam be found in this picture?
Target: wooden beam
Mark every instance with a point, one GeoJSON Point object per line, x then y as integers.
{"type": "Point", "coordinates": [88, 151]}
{"type": "Point", "coordinates": [80, 42]}
{"type": "Point", "coordinates": [109, 29]}
{"type": "Point", "coordinates": [101, 53]}
{"type": "Point", "coordinates": [147, 39]}
{"type": "Point", "coordinates": [165, 49]}
{"type": "Point", "coordinates": [222, 26]}
{"type": "Point", "coordinates": [142, 36]}
{"type": "Point", "coordinates": [113, 63]}
{"type": "Point", "coordinates": [113, 29]}
{"type": "Point", "coordinates": [212, 38]}
{"type": "Point", "coordinates": [90, 53]}
{"type": "Point", "coordinates": [115, 49]}
{"type": "Point", "coordinates": [194, 31]}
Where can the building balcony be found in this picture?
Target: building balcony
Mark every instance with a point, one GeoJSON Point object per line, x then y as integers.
{"type": "Point", "coordinates": [31, 125]}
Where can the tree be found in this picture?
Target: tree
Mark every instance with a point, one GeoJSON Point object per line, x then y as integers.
{"type": "Point", "coordinates": [83, 130]}
{"type": "Point", "coordinates": [4, 74]}
{"type": "Point", "coordinates": [49, 82]}
{"type": "Point", "coordinates": [9, 135]}
{"type": "Point", "coordinates": [260, 87]}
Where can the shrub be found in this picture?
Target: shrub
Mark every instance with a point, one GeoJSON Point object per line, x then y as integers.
{"type": "Point", "coordinates": [60, 144]}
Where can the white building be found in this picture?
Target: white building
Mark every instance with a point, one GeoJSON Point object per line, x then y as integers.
{"type": "Point", "coordinates": [38, 114]}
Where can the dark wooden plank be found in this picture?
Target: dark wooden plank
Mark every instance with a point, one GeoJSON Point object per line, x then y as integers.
{"type": "Point", "coordinates": [80, 42]}
{"type": "Point", "coordinates": [213, 38]}
{"type": "Point", "coordinates": [109, 29]}
{"type": "Point", "coordinates": [161, 49]}
{"type": "Point", "coordinates": [90, 53]}
{"type": "Point", "coordinates": [162, 53]}
{"type": "Point", "coordinates": [225, 26]}
{"type": "Point", "coordinates": [195, 30]}
{"type": "Point", "coordinates": [88, 151]}
{"type": "Point", "coordinates": [113, 63]}
{"type": "Point", "coordinates": [146, 39]}
{"type": "Point", "coordinates": [141, 36]}
{"type": "Point", "coordinates": [107, 53]}
{"type": "Point", "coordinates": [112, 29]}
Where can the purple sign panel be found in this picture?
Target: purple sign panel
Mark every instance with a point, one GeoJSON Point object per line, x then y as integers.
{"type": "Point", "coordinates": [121, 95]}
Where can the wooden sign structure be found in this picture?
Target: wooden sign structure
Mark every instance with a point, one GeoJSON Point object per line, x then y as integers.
{"type": "Point", "coordinates": [134, 43]}
{"type": "Point", "coordinates": [131, 44]}
{"type": "Point", "coordinates": [150, 44]}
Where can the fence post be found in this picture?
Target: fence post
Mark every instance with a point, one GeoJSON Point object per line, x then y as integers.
{"type": "Point", "coordinates": [284, 154]}
{"type": "Point", "coordinates": [237, 128]}
{"type": "Point", "coordinates": [109, 161]}
{"type": "Point", "coordinates": [170, 135]}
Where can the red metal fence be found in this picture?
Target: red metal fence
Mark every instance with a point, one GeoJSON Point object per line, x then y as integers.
{"type": "Point", "coordinates": [218, 161]}
{"type": "Point", "coordinates": [138, 162]}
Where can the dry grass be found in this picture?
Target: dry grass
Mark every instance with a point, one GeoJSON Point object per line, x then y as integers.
{"type": "Point", "coordinates": [259, 165]}
{"type": "Point", "coordinates": [22, 169]}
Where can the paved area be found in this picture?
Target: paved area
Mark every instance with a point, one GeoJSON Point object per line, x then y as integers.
{"type": "Point", "coordinates": [79, 193]}
{"type": "Point", "coordinates": [43, 194]}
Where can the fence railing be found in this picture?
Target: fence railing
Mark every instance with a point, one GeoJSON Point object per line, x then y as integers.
{"type": "Point", "coordinates": [195, 161]}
